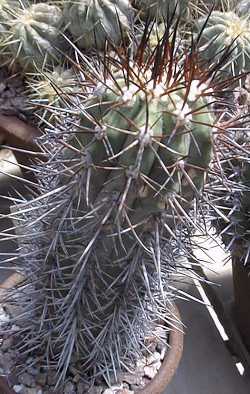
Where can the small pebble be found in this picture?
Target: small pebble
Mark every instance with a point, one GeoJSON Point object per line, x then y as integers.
{"type": "Point", "coordinates": [18, 388]}
{"type": "Point", "coordinates": [41, 378]}
{"type": "Point", "coordinates": [69, 388]}
{"type": "Point", "coordinates": [81, 388]}
{"type": "Point", "coordinates": [7, 361]}
{"type": "Point", "coordinates": [32, 371]}
{"type": "Point", "coordinates": [6, 344]}
{"type": "Point", "coordinates": [51, 378]}
{"type": "Point", "coordinates": [113, 390]}
{"type": "Point", "coordinates": [4, 317]}
{"type": "Point", "coordinates": [157, 365]}
{"type": "Point", "coordinates": [76, 378]}
{"type": "Point", "coordinates": [163, 352]}
{"type": "Point", "coordinates": [145, 381]}
{"type": "Point", "coordinates": [27, 380]}
{"type": "Point", "coordinates": [153, 358]}
{"type": "Point", "coordinates": [141, 362]}
{"type": "Point", "coordinates": [130, 378]}
{"type": "Point", "coordinates": [151, 343]}
{"type": "Point", "coordinates": [150, 371]}
{"type": "Point", "coordinates": [95, 390]}
{"type": "Point", "coordinates": [35, 390]}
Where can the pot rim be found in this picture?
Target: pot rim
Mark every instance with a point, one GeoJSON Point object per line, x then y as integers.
{"type": "Point", "coordinates": [171, 361]}
{"type": "Point", "coordinates": [169, 365]}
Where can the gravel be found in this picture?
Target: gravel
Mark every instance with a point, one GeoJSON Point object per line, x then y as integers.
{"type": "Point", "coordinates": [34, 380]}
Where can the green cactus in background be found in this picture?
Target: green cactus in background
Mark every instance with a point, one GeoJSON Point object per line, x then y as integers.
{"type": "Point", "coordinates": [234, 199]}
{"type": "Point", "coordinates": [235, 204]}
{"type": "Point", "coordinates": [51, 89]}
{"type": "Point", "coordinates": [245, 211]}
{"type": "Point", "coordinates": [226, 30]}
{"type": "Point", "coordinates": [5, 8]}
{"type": "Point", "coordinates": [33, 34]}
{"type": "Point", "coordinates": [157, 9]}
{"type": "Point", "coordinates": [92, 23]}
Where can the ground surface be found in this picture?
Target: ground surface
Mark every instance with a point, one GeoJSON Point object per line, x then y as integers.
{"type": "Point", "coordinates": [207, 366]}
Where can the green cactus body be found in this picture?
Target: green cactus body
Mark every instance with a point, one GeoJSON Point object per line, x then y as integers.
{"type": "Point", "coordinates": [93, 22]}
{"type": "Point", "coordinates": [34, 35]}
{"type": "Point", "coordinates": [222, 30]}
{"type": "Point", "coordinates": [130, 108]}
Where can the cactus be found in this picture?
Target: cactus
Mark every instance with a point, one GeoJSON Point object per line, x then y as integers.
{"type": "Point", "coordinates": [235, 200]}
{"type": "Point", "coordinates": [97, 245]}
{"type": "Point", "coordinates": [34, 35]}
{"type": "Point", "coordinates": [128, 149]}
{"type": "Point", "coordinates": [235, 203]}
{"type": "Point", "coordinates": [92, 23]}
{"type": "Point", "coordinates": [51, 89]}
{"type": "Point", "coordinates": [226, 30]}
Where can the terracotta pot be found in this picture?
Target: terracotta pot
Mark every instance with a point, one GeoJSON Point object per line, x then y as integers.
{"type": "Point", "coordinates": [166, 372]}
{"type": "Point", "coordinates": [21, 137]}
{"type": "Point", "coordinates": [170, 364]}
{"type": "Point", "coordinates": [241, 309]}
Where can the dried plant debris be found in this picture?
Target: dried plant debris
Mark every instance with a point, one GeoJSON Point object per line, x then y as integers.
{"type": "Point", "coordinates": [13, 100]}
